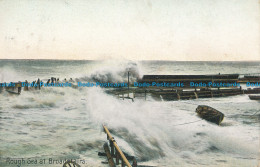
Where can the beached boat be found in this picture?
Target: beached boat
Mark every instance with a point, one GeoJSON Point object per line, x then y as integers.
{"type": "Point", "coordinates": [254, 97]}
{"type": "Point", "coordinates": [210, 114]}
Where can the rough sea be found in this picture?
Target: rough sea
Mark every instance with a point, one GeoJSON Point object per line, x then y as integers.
{"type": "Point", "coordinates": [46, 127]}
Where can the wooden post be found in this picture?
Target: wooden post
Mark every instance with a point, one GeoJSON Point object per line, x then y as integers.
{"type": "Point", "coordinates": [19, 90]}
{"type": "Point", "coordinates": [109, 157]}
{"type": "Point", "coordinates": [26, 86]}
{"type": "Point", "coordinates": [38, 83]}
{"type": "Point", "coordinates": [112, 148]}
{"type": "Point", "coordinates": [122, 163]}
{"type": "Point", "coordinates": [196, 95]}
{"type": "Point", "coordinates": [178, 96]}
{"type": "Point", "coordinates": [117, 158]}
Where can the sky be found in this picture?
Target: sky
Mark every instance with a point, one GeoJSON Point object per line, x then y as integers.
{"type": "Point", "coordinates": [176, 30]}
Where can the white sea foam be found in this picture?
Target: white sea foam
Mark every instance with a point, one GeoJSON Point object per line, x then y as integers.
{"type": "Point", "coordinates": [66, 123]}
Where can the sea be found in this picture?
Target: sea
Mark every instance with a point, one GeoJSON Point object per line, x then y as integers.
{"type": "Point", "coordinates": [49, 126]}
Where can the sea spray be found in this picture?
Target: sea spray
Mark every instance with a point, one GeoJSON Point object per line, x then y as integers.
{"type": "Point", "coordinates": [65, 123]}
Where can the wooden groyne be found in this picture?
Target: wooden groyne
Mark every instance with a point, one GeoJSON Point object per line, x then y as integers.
{"type": "Point", "coordinates": [205, 93]}
{"type": "Point", "coordinates": [17, 87]}
{"type": "Point", "coordinates": [179, 94]}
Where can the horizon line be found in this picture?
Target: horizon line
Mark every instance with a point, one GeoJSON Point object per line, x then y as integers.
{"type": "Point", "coordinates": [139, 60]}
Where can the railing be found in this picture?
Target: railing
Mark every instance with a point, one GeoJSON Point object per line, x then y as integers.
{"type": "Point", "coordinates": [115, 152]}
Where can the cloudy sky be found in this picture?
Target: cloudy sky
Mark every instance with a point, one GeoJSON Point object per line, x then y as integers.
{"type": "Point", "coordinates": [214, 30]}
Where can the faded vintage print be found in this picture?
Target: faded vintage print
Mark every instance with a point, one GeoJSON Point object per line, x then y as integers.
{"type": "Point", "coordinates": [136, 83]}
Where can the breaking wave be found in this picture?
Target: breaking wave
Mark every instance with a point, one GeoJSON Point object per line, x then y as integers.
{"type": "Point", "coordinates": [67, 123]}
